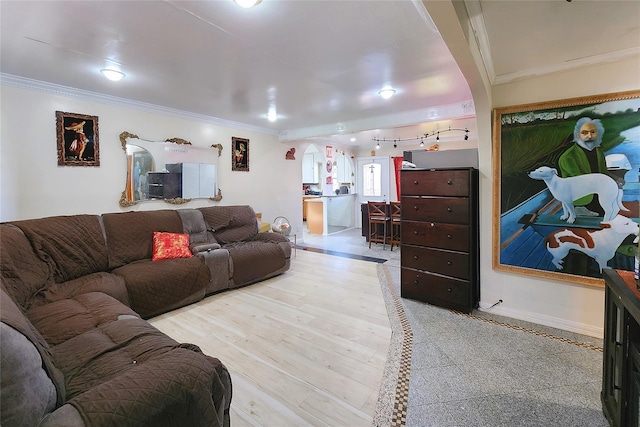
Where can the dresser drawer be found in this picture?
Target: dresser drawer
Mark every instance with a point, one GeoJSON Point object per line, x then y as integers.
{"type": "Point", "coordinates": [434, 182]}
{"type": "Point", "coordinates": [452, 210]}
{"type": "Point", "coordinates": [440, 261]}
{"type": "Point", "coordinates": [436, 234]}
{"type": "Point", "coordinates": [435, 289]}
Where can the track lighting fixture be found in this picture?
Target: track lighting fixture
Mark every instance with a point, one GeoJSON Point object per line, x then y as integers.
{"type": "Point", "coordinates": [425, 136]}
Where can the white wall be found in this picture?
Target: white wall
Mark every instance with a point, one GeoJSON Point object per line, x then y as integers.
{"type": "Point", "coordinates": [573, 307]}
{"type": "Point", "coordinates": [570, 306]}
{"type": "Point", "coordinates": [32, 185]}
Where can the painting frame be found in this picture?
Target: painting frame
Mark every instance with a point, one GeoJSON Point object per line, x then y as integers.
{"type": "Point", "coordinates": [77, 139]}
{"type": "Point", "coordinates": [515, 155]}
{"type": "Point", "coordinates": [239, 154]}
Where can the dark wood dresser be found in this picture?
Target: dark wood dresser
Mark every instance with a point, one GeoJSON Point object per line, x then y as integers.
{"type": "Point", "coordinates": [439, 237]}
{"type": "Point", "coordinates": [621, 362]}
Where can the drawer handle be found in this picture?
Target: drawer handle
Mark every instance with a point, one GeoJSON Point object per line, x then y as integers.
{"type": "Point", "coordinates": [449, 182]}
{"type": "Point", "coordinates": [415, 207]}
{"type": "Point", "coordinates": [415, 182]}
{"type": "Point", "coordinates": [449, 236]}
{"type": "Point", "coordinates": [448, 289]}
{"type": "Point", "coordinates": [449, 209]}
{"type": "Point", "coordinates": [415, 257]}
{"type": "Point", "coordinates": [449, 263]}
{"type": "Point", "coordinates": [415, 232]}
{"type": "Point", "coordinates": [415, 282]}
{"type": "Point", "coordinates": [432, 224]}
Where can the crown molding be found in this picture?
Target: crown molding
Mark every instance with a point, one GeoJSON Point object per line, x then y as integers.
{"type": "Point", "coordinates": [568, 65]}
{"type": "Point", "coordinates": [54, 89]}
{"type": "Point", "coordinates": [474, 10]}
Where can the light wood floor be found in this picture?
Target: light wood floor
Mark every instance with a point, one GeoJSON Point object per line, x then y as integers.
{"type": "Point", "coordinates": [305, 348]}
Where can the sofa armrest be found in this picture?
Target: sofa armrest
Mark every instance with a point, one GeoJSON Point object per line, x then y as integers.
{"type": "Point", "coordinates": [272, 237]}
{"type": "Point", "coordinates": [64, 416]}
{"type": "Point", "coordinates": [196, 248]}
{"type": "Point", "coordinates": [220, 269]}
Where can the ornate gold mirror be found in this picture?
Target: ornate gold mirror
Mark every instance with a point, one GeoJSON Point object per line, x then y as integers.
{"type": "Point", "coordinates": [172, 170]}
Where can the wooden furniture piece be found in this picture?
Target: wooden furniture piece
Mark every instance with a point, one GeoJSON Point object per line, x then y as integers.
{"type": "Point", "coordinates": [364, 211]}
{"type": "Point", "coordinates": [620, 394]}
{"type": "Point", "coordinates": [163, 185]}
{"type": "Point", "coordinates": [315, 215]}
{"type": "Point", "coordinates": [440, 250]}
{"type": "Point", "coordinates": [378, 217]}
{"type": "Point", "coordinates": [396, 210]}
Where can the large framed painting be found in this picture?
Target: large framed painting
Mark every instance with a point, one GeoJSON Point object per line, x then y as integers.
{"type": "Point", "coordinates": [77, 139]}
{"type": "Point", "coordinates": [240, 154]}
{"type": "Point", "coordinates": [566, 193]}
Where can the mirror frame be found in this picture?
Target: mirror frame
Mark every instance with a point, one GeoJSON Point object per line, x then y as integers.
{"type": "Point", "coordinates": [176, 201]}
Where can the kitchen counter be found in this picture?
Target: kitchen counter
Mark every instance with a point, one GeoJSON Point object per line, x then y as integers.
{"type": "Point", "coordinates": [329, 211]}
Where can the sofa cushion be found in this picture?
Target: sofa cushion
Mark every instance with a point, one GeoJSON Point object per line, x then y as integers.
{"type": "Point", "coordinates": [73, 245]}
{"type": "Point", "coordinates": [253, 261]}
{"type": "Point", "coordinates": [26, 391]}
{"type": "Point", "coordinates": [231, 223]}
{"type": "Point", "coordinates": [24, 274]}
{"type": "Point", "coordinates": [156, 287]}
{"type": "Point", "coordinates": [62, 320]}
{"type": "Point", "coordinates": [110, 284]}
{"type": "Point", "coordinates": [130, 234]}
{"type": "Point", "coordinates": [12, 315]}
{"type": "Point", "coordinates": [170, 246]}
{"type": "Point", "coordinates": [193, 224]}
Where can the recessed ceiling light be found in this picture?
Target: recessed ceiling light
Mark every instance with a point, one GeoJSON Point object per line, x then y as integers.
{"type": "Point", "coordinates": [272, 115]}
{"type": "Point", "coordinates": [387, 92]}
{"type": "Point", "coordinates": [353, 139]}
{"type": "Point", "coordinates": [113, 75]}
{"type": "Point", "coordinates": [248, 3]}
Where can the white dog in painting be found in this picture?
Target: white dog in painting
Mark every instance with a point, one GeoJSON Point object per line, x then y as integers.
{"type": "Point", "coordinates": [566, 190]}
{"type": "Point", "coordinates": [601, 244]}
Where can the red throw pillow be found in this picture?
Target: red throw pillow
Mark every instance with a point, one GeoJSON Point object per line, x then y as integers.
{"type": "Point", "coordinates": [170, 245]}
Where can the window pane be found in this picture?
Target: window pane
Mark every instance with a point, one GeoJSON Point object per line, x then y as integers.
{"type": "Point", "coordinates": [371, 182]}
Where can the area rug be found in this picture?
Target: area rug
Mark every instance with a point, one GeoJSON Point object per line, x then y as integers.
{"type": "Point", "coordinates": [391, 408]}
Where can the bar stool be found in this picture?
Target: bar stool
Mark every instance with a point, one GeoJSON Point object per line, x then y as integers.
{"type": "Point", "coordinates": [396, 211]}
{"type": "Point", "coordinates": [377, 217]}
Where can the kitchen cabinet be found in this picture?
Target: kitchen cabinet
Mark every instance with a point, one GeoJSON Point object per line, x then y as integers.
{"type": "Point", "coordinates": [620, 394]}
{"type": "Point", "coordinates": [439, 254]}
{"type": "Point", "coordinates": [311, 168]}
{"type": "Point", "coordinates": [305, 205]}
{"type": "Point", "coordinates": [315, 215]}
{"type": "Point", "coordinates": [344, 170]}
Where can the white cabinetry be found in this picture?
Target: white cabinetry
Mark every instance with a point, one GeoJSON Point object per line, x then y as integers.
{"type": "Point", "coordinates": [198, 179]}
{"type": "Point", "coordinates": [310, 169]}
{"type": "Point", "coordinates": [344, 169]}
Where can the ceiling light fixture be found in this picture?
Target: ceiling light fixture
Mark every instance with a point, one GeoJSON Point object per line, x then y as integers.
{"type": "Point", "coordinates": [426, 135]}
{"type": "Point", "coordinates": [247, 3]}
{"type": "Point", "coordinates": [386, 92]}
{"type": "Point", "coordinates": [113, 75]}
{"type": "Point", "coordinates": [272, 115]}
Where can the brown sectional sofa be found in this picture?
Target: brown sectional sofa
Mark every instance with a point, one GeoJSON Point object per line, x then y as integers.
{"type": "Point", "coordinates": [75, 350]}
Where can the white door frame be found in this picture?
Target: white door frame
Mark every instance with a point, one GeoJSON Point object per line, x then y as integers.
{"type": "Point", "coordinates": [383, 161]}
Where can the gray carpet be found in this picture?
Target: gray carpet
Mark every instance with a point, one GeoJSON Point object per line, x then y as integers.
{"type": "Point", "coordinates": [483, 370]}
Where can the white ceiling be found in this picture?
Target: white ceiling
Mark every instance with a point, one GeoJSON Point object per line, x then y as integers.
{"type": "Point", "coordinates": [321, 63]}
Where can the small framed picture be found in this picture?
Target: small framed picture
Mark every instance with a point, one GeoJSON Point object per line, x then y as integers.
{"type": "Point", "coordinates": [77, 139]}
{"type": "Point", "coordinates": [240, 154]}
{"type": "Point", "coordinates": [329, 151]}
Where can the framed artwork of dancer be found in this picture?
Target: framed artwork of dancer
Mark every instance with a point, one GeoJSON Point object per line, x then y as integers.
{"type": "Point", "coordinates": [77, 139]}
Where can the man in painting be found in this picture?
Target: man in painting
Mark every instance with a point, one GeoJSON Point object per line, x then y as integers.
{"type": "Point", "coordinates": [585, 156]}
{"type": "Point", "coordinates": [79, 143]}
